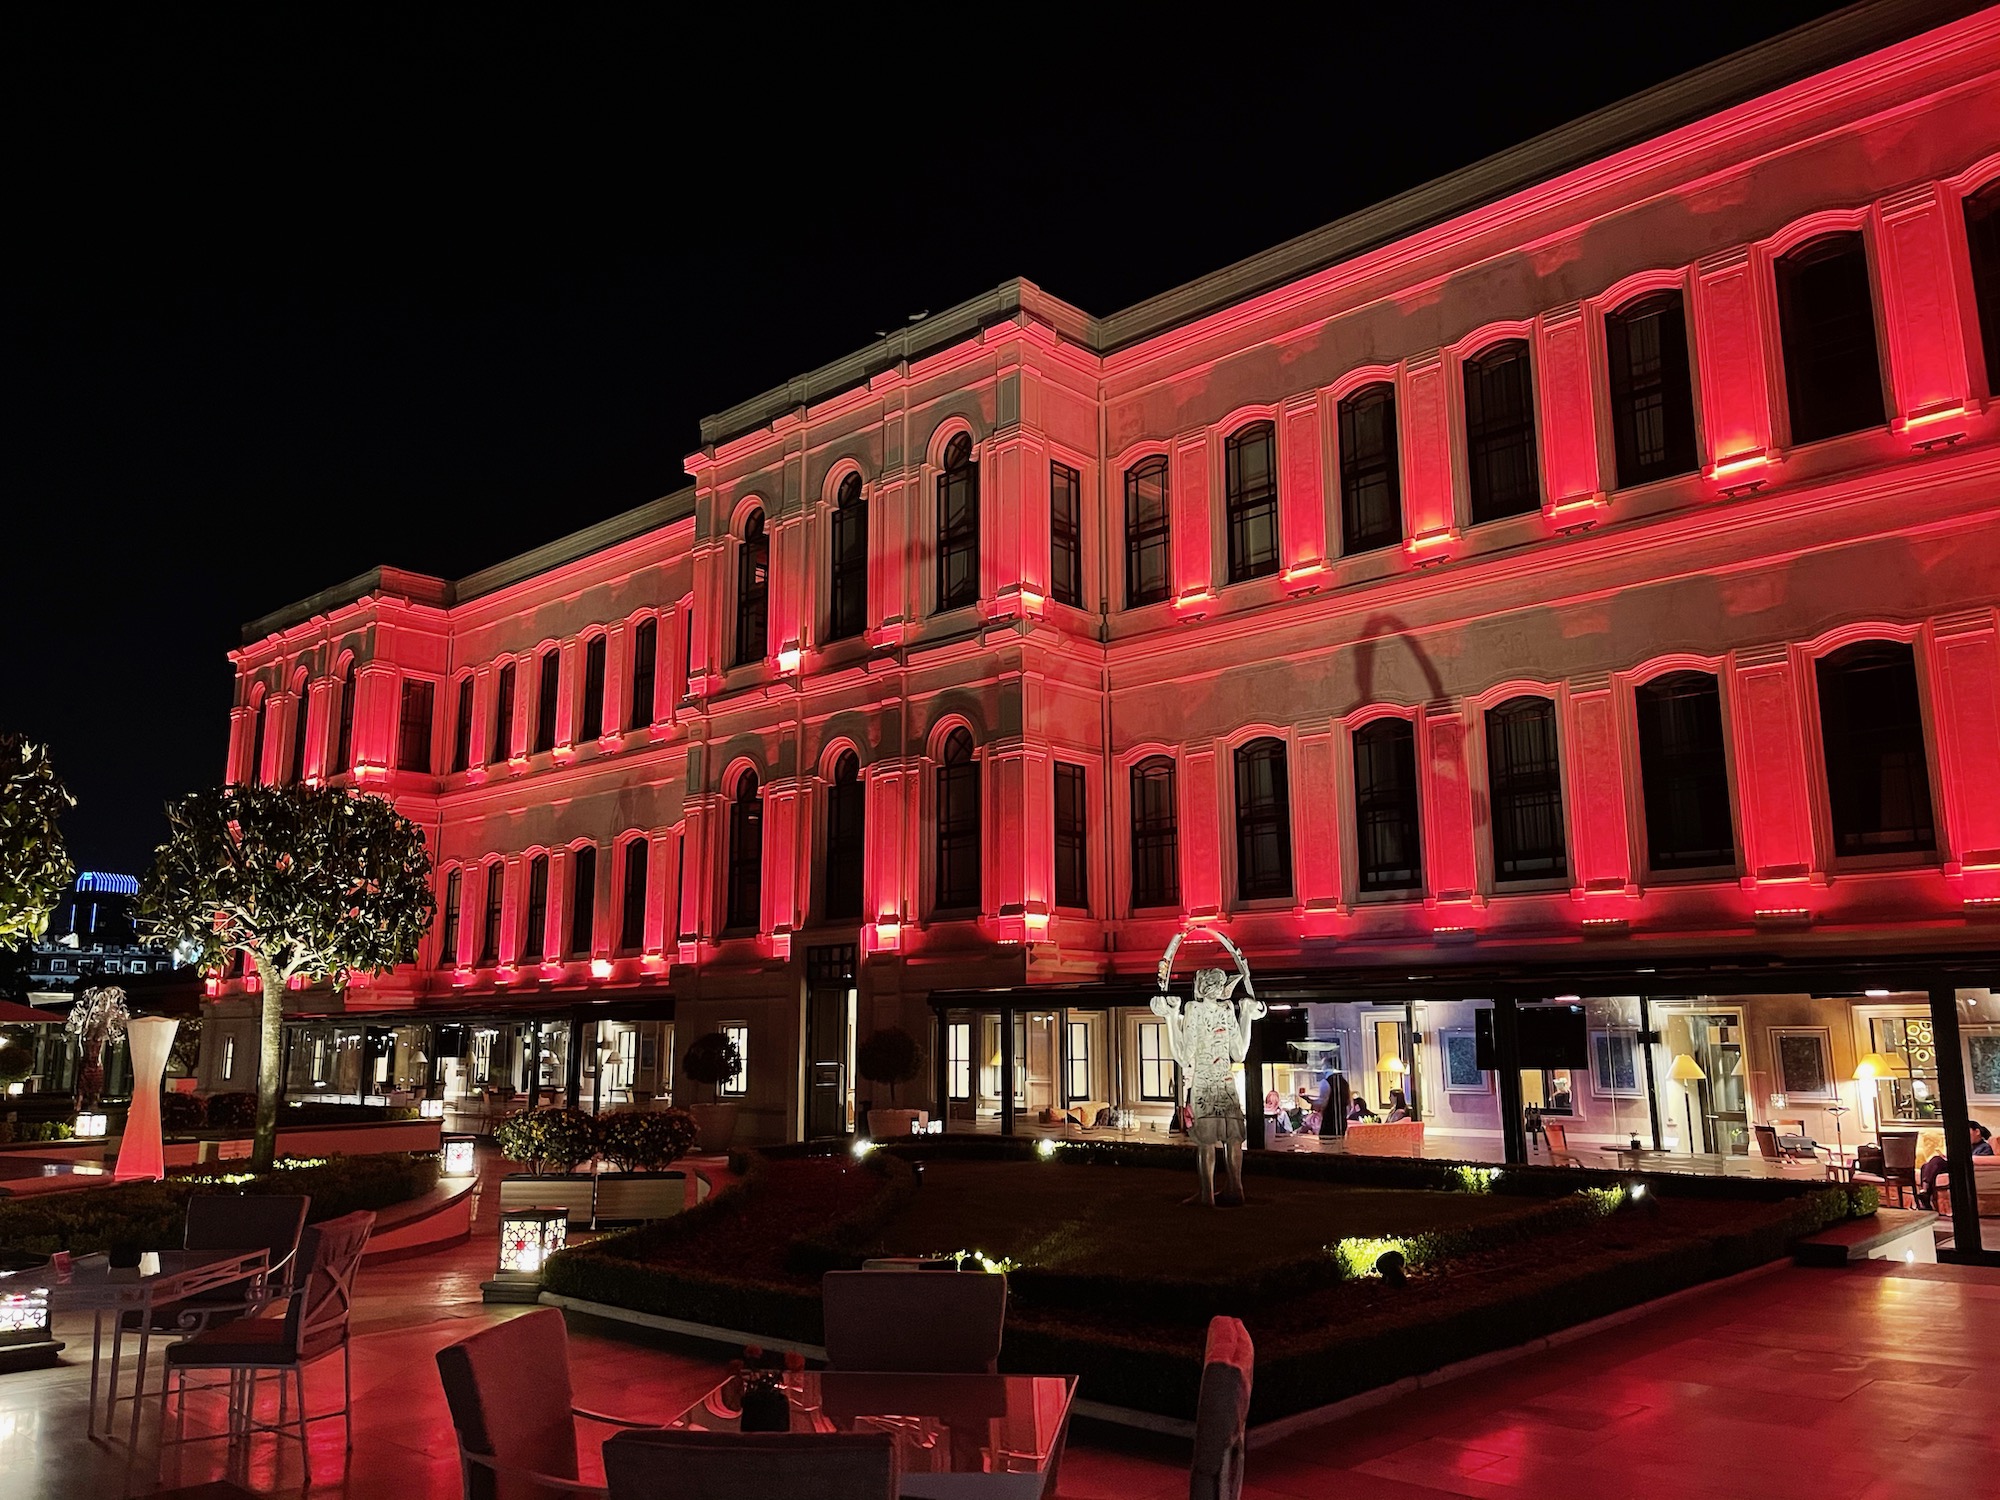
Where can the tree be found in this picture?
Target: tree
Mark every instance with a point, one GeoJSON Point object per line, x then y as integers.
{"type": "Point", "coordinates": [34, 862]}
{"type": "Point", "coordinates": [713, 1059]}
{"type": "Point", "coordinates": [889, 1056]}
{"type": "Point", "coordinates": [96, 1019]}
{"type": "Point", "coordinates": [304, 882]}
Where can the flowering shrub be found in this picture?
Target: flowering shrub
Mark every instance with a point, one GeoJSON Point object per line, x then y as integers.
{"type": "Point", "coordinates": [645, 1140]}
{"type": "Point", "coordinates": [554, 1140]}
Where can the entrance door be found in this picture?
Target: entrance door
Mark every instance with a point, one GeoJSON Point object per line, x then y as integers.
{"type": "Point", "coordinates": [830, 1000]}
{"type": "Point", "coordinates": [1040, 1091]}
{"type": "Point", "coordinates": [1716, 1040]}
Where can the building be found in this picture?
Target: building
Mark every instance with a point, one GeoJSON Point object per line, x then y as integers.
{"type": "Point", "coordinates": [1571, 581]}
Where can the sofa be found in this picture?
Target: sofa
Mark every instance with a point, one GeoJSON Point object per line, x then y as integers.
{"type": "Point", "coordinates": [1403, 1138]}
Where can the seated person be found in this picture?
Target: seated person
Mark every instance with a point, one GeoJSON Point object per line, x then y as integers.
{"type": "Point", "coordinates": [1274, 1109]}
{"type": "Point", "coordinates": [1399, 1108]}
{"type": "Point", "coordinates": [1936, 1167]}
{"type": "Point", "coordinates": [1357, 1109]}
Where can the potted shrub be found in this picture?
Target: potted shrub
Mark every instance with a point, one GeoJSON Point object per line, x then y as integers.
{"type": "Point", "coordinates": [551, 1143]}
{"type": "Point", "coordinates": [713, 1059]}
{"type": "Point", "coordinates": [890, 1057]}
{"type": "Point", "coordinates": [642, 1144]}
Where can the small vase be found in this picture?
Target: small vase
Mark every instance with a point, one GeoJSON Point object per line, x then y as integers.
{"type": "Point", "coordinates": [765, 1409]}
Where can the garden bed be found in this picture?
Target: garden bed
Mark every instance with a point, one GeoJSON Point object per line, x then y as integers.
{"type": "Point", "coordinates": [1115, 1277]}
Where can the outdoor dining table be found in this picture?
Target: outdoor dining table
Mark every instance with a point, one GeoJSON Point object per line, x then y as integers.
{"type": "Point", "coordinates": [1619, 1153]}
{"type": "Point", "coordinates": [958, 1437]}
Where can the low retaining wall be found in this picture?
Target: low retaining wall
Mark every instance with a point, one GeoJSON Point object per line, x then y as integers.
{"type": "Point", "coordinates": [358, 1139]}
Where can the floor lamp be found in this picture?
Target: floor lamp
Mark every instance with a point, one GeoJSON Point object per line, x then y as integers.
{"type": "Point", "coordinates": [1871, 1067]}
{"type": "Point", "coordinates": [1686, 1071]}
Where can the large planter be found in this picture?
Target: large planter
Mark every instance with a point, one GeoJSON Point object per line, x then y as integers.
{"type": "Point", "coordinates": [894, 1124]}
{"type": "Point", "coordinates": [570, 1191]}
{"type": "Point", "coordinates": [638, 1197]}
{"type": "Point", "coordinates": [717, 1124]}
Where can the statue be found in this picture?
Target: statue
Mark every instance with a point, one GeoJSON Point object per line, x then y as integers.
{"type": "Point", "coordinates": [1208, 1036]}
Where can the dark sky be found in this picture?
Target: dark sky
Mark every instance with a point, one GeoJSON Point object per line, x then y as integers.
{"type": "Point", "coordinates": [278, 303]}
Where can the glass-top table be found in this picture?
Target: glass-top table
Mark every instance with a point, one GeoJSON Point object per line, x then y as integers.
{"type": "Point", "coordinates": [980, 1437]}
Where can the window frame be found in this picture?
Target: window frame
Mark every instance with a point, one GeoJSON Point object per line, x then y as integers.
{"type": "Point", "coordinates": [1489, 437]}
{"type": "Point", "coordinates": [461, 727]}
{"type": "Point", "coordinates": [1154, 840]}
{"type": "Point", "coordinates": [505, 685]}
{"type": "Point", "coordinates": [1065, 534]}
{"type": "Point", "coordinates": [1926, 846]}
{"type": "Point", "coordinates": [451, 917]}
{"type": "Point", "coordinates": [1786, 264]}
{"type": "Point", "coordinates": [1405, 801]}
{"type": "Point", "coordinates": [1646, 693]}
{"type": "Point", "coordinates": [493, 912]}
{"type": "Point", "coordinates": [1252, 822]}
{"type": "Point", "coordinates": [413, 739]}
{"type": "Point", "coordinates": [1148, 537]}
{"type": "Point", "coordinates": [1524, 783]}
{"type": "Point", "coordinates": [301, 722]}
{"type": "Point", "coordinates": [645, 673]}
{"type": "Point", "coordinates": [582, 901]}
{"type": "Point", "coordinates": [1072, 843]}
{"type": "Point", "coordinates": [743, 877]}
{"type": "Point", "coordinates": [343, 743]}
{"type": "Point", "coordinates": [1075, 1055]}
{"type": "Point", "coordinates": [548, 700]}
{"type": "Point", "coordinates": [1246, 506]}
{"type": "Point", "coordinates": [1156, 1061]}
{"type": "Point", "coordinates": [1680, 439]}
{"type": "Point", "coordinates": [847, 570]}
{"type": "Point", "coordinates": [844, 870]}
{"type": "Point", "coordinates": [957, 480]}
{"type": "Point", "coordinates": [958, 1060]}
{"type": "Point", "coordinates": [535, 910]}
{"type": "Point", "coordinates": [1983, 271]}
{"type": "Point", "coordinates": [751, 641]}
{"type": "Point", "coordinates": [958, 839]}
{"type": "Point", "coordinates": [635, 850]}
{"type": "Point", "coordinates": [737, 1084]}
{"type": "Point", "coordinates": [1355, 542]}
{"type": "Point", "coordinates": [596, 667]}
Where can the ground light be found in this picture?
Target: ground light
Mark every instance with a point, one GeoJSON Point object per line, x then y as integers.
{"type": "Point", "coordinates": [528, 1237]}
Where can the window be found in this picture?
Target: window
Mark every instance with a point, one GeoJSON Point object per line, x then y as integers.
{"type": "Point", "coordinates": [958, 1059]}
{"type": "Point", "coordinates": [461, 729]}
{"type": "Point", "coordinates": [1076, 1062]}
{"type": "Point", "coordinates": [1371, 486]}
{"type": "Point", "coordinates": [1524, 776]}
{"type": "Point", "coordinates": [413, 739]}
{"type": "Point", "coordinates": [1251, 477]}
{"type": "Point", "coordinates": [228, 1057]}
{"type": "Point", "coordinates": [1072, 818]}
{"type": "Point", "coordinates": [746, 855]}
{"type": "Point", "coordinates": [496, 894]}
{"type": "Point", "coordinates": [645, 653]}
{"type": "Point", "coordinates": [737, 1083]}
{"type": "Point", "coordinates": [632, 918]}
{"type": "Point", "coordinates": [532, 940]}
{"type": "Point", "coordinates": [753, 593]}
{"type": "Point", "coordinates": [1156, 848]}
{"type": "Point", "coordinates": [1652, 394]}
{"type": "Point", "coordinates": [1156, 1062]}
{"type": "Point", "coordinates": [1500, 432]}
{"type": "Point", "coordinates": [301, 722]}
{"type": "Point", "coordinates": [847, 613]}
{"type": "Point", "coordinates": [1065, 535]}
{"type": "Point", "coordinates": [1683, 774]}
{"type": "Point", "coordinates": [1614, 1064]}
{"type": "Point", "coordinates": [1386, 830]}
{"type": "Point", "coordinates": [1263, 822]}
{"type": "Point", "coordinates": [263, 722]}
{"type": "Point", "coordinates": [545, 700]}
{"type": "Point", "coordinates": [503, 714]}
{"type": "Point", "coordinates": [343, 743]}
{"type": "Point", "coordinates": [590, 723]}
{"type": "Point", "coordinates": [957, 824]}
{"type": "Point", "coordinates": [454, 895]}
{"type": "Point", "coordinates": [1826, 320]}
{"type": "Point", "coordinates": [1148, 535]}
{"type": "Point", "coordinates": [1872, 726]}
{"type": "Point", "coordinates": [958, 526]}
{"type": "Point", "coordinates": [1982, 235]}
{"type": "Point", "coordinates": [846, 828]}
{"type": "Point", "coordinates": [583, 901]}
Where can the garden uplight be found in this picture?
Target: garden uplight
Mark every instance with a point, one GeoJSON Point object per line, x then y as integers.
{"type": "Point", "coordinates": [862, 1148]}
{"type": "Point", "coordinates": [1045, 1148]}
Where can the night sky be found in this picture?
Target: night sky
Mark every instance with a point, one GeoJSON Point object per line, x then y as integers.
{"type": "Point", "coordinates": [280, 304]}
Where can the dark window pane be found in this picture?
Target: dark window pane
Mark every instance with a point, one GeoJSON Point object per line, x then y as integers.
{"type": "Point", "coordinates": [496, 895]}
{"type": "Point", "coordinates": [632, 920]}
{"type": "Point", "coordinates": [1072, 822]}
{"type": "Point", "coordinates": [547, 687]}
{"type": "Point", "coordinates": [846, 839]}
{"type": "Point", "coordinates": [1826, 314]}
{"type": "Point", "coordinates": [590, 723]}
{"type": "Point", "coordinates": [583, 901]}
{"type": "Point", "coordinates": [753, 593]}
{"type": "Point", "coordinates": [343, 745]}
{"type": "Point", "coordinates": [503, 714]}
{"type": "Point", "coordinates": [1652, 394]}
{"type": "Point", "coordinates": [301, 720]}
{"type": "Point", "coordinates": [1524, 776]}
{"type": "Point", "coordinates": [1251, 460]}
{"type": "Point", "coordinates": [1371, 486]}
{"type": "Point", "coordinates": [1148, 537]}
{"type": "Point", "coordinates": [746, 856]}
{"type": "Point", "coordinates": [847, 606]}
{"type": "Point", "coordinates": [534, 928]}
{"type": "Point", "coordinates": [1500, 433]}
{"type": "Point", "coordinates": [958, 844]}
{"type": "Point", "coordinates": [1872, 725]}
{"type": "Point", "coordinates": [1982, 234]}
{"type": "Point", "coordinates": [413, 739]}
{"type": "Point", "coordinates": [454, 896]}
{"type": "Point", "coordinates": [1156, 853]}
{"type": "Point", "coordinates": [1263, 822]}
{"type": "Point", "coordinates": [1065, 535]}
{"type": "Point", "coordinates": [1387, 832]}
{"type": "Point", "coordinates": [461, 730]}
{"type": "Point", "coordinates": [1684, 774]}
{"type": "Point", "coordinates": [958, 526]}
{"type": "Point", "coordinates": [263, 721]}
{"type": "Point", "coordinates": [645, 654]}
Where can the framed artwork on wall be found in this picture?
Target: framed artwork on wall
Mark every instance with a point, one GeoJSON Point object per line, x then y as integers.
{"type": "Point", "coordinates": [1614, 1064]}
{"type": "Point", "coordinates": [1462, 1073]}
{"type": "Point", "coordinates": [1803, 1059]}
{"type": "Point", "coordinates": [1982, 1063]}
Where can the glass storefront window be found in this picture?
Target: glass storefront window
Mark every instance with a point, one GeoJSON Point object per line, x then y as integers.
{"type": "Point", "coordinates": [1910, 1041]}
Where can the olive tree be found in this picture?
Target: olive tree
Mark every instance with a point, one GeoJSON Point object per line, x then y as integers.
{"type": "Point", "coordinates": [312, 883]}
{"type": "Point", "coordinates": [34, 863]}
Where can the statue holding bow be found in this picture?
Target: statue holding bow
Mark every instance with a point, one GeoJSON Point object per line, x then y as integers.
{"type": "Point", "coordinates": [1209, 1035]}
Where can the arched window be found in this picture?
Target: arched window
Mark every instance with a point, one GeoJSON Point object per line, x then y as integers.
{"type": "Point", "coordinates": [1148, 533]}
{"type": "Point", "coordinates": [503, 714]}
{"type": "Point", "coordinates": [461, 729]}
{"type": "Point", "coordinates": [846, 830]}
{"type": "Point", "coordinates": [645, 658]}
{"type": "Point", "coordinates": [496, 896]}
{"type": "Point", "coordinates": [1524, 785]}
{"type": "Point", "coordinates": [1826, 317]}
{"type": "Point", "coordinates": [753, 593]}
{"type": "Point", "coordinates": [301, 722]}
{"type": "Point", "coordinates": [1065, 535]}
{"type": "Point", "coordinates": [632, 913]}
{"type": "Point", "coordinates": [746, 855]}
{"type": "Point", "coordinates": [1387, 833]}
{"type": "Point", "coordinates": [590, 719]}
{"type": "Point", "coordinates": [1072, 835]}
{"type": "Point", "coordinates": [413, 725]}
{"type": "Point", "coordinates": [1683, 772]}
{"type": "Point", "coordinates": [1982, 236]}
{"type": "Point", "coordinates": [582, 900]}
{"type": "Point", "coordinates": [1156, 843]}
{"type": "Point", "coordinates": [958, 824]}
{"type": "Point", "coordinates": [1652, 391]}
{"type": "Point", "coordinates": [847, 596]}
{"type": "Point", "coordinates": [1250, 459]}
{"type": "Point", "coordinates": [1263, 821]}
{"type": "Point", "coordinates": [1872, 727]}
{"type": "Point", "coordinates": [533, 937]}
{"type": "Point", "coordinates": [343, 740]}
{"type": "Point", "coordinates": [1371, 481]}
{"type": "Point", "coordinates": [958, 526]}
{"type": "Point", "coordinates": [1500, 432]}
{"type": "Point", "coordinates": [263, 723]}
{"type": "Point", "coordinates": [549, 685]}
{"type": "Point", "coordinates": [454, 896]}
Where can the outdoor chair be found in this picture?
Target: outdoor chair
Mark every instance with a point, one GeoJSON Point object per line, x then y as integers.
{"type": "Point", "coordinates": [509, 1393]}
{"type": "Point", "coordinates": [750, 1466]}
{"type": "Point", "coordinates": [1771, 1149]}
{"type": "Point", "coordinates": [1558, 1138]}
{"type": "Point", "coordinates": [315, 1324]}
{"type": "Point", "coordinates": [1222, 1412]}
{"type": "Point", "coordinates": [228, 1221]}
{"type": "Point", "coordinates": [910, 1321]}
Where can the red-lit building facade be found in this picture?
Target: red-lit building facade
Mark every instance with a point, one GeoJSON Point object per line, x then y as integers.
{"type": "Point", "coordinates": [1575, 577]}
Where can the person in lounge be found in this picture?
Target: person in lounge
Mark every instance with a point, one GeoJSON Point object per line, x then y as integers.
{"type": "Point", "coordinates": [1936, 1167]}
{"type": "Point", "coordinates": [1357, 1109]}
{"type": "Point", "coordinates": [1399, 1108]}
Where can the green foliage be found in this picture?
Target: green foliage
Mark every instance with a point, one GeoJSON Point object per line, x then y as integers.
{"type": "Point", "coordinates": [645, 1140]}
{"type": "Point", "coordinates": [712, 1058]}
{"type": "Point", "coordinates": [553, 1140]}
{"type": "Point", "coordinates": [1863, 1199]}
{"type": "Point", "coordinates": [1470, 1179]}
{"type": "Point", "coordinates": [236, 1111]}
{"type": "Point", "coordinates": [34, 862]}
{"type": "Point", "coordinates": [15, 1132]}
{"type": "Point", "coordinates": [180, 1113]}
{"type": "Point", "coordinates": [889, 1056]}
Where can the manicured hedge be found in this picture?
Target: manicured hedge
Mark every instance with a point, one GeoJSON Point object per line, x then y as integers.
{"type": "Point", "coordinates": [15, 1132]}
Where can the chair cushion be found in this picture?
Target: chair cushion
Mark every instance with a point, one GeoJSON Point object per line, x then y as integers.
{"type": "Point", "coordinates": [245, 1341]}
{"type": "Point", "coordinates": [942, 1322]}
{"type": "Point", "coordinates": [509, 1393]}
{"type": "Point", "coordinates": [1222, 1411]}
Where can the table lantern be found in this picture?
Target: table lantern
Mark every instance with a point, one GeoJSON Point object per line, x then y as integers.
{"type": "Point", "coordinates": [458, 1161]}
{"type": "Point", "coordinates": [25, 1339]}
{"type": "Point", "coordinates": [528, 1237]}
{"type": "Point", "coordinates": [91, 1125]}
{"type": "Point", "coordinates": [430, 1109]}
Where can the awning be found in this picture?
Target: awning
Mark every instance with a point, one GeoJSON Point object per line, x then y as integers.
{"type": "Point", "coordinates": [12, 1014]}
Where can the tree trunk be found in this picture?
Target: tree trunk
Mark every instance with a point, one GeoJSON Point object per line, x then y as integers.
{"type": "Point", "coordinates": [270, 1065]}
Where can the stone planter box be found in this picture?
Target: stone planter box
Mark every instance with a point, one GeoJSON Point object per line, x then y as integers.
{"type": "Point", "coordinates": [617, 1197]}
{"type": "Point", "coordinates": [566, 1190]}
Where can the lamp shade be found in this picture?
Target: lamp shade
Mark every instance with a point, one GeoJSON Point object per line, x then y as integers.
{"type": "Point", "coordinates": [1880, 1065]}
{"type": "Point", "coordinates": [1687, 1070]}
{"type": "Point", "coordinates": [1394, 1065]}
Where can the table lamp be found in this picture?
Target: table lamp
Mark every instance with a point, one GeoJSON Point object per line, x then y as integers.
{"type": "Point", "coordinates": [1685, 1071]}
{"type": "Point", "coordinates": [1874, 1065]}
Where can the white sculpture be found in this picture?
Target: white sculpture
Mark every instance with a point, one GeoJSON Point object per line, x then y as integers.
{"type": "Point", "coordinates": [1209, 1035]}
{"type": "Point", "coordinates": [142, 1156]}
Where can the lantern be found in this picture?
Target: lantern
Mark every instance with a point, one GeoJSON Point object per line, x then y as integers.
{"type": "Point", "coordinates": [430, 1109]}
{"type": "Point", "coordinates": [25, 1340]}
{"type": "Point", "coordinates": [458, 1156]}
{"type": "Point", "coordinates": [528, 1237]}
{"type": "Point", "coordinates": [91, 1124]}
